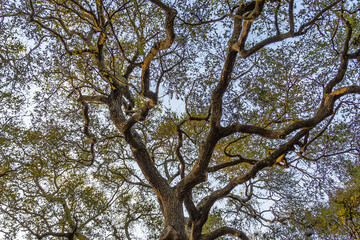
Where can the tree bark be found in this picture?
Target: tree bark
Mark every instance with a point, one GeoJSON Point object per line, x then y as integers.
{"type": "Point", "coordinates": [174, 217]}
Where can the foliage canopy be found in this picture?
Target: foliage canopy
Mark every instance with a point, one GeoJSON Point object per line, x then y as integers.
{"type": "Point", "coordinates": [179, 120]}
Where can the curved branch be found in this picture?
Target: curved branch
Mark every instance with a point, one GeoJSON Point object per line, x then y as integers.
{"type": "Point", "coordinates": [217, 94]}
{"type": "Point", "coordinates": [87, 132]}
{"type": "Point", "coordinates": [166, 43]}
{"type": "Point", "coordinates": [145, 76]}
{"type": "Point", "coordinates": [241, 160]}
{"type": "Point", "coordinates": [324, 111]}
{"type": "Point", "coordinates": [224, 231]}
{"type": "Point", "coordinates": [208, 202]}
{"type": "Point", "coordinates": [178, 152]}
{"type": "Point", "coordinates": [344, 61]}
{"type": "Point", "coordinates": [250, 17]}
{"type": "Point", "coordinates": [204, 22]}
{"type": "Point", "coordinates": [138, 147]}
{"type": "Point", "coordinates": [279, 37]}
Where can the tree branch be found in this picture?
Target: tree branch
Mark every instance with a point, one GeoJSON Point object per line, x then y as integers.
{"type": "Point", "coordinates": [241, 160]}
{"type": "Point", "coordinates": [208, 202]}
{"type": "Point", "coordinates": [279, 37]}
{"type": "Point", "coordinates": [224, 231]}
{"type": "Point", "coordinates": [170, 36]}
{"type": "Point", "coordinates": [344, 61]}
{"type": "Point", "coordinates": [323, 112]}
{"type": "Point", "coordinates": [100, 99]}
{"type": "Point", "coordinates": [354, 55]}
{"type": "Point", "coordinates": [87, 132]}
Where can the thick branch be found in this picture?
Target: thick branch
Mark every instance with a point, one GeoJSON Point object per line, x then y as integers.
{"type": "Point", "coordinates": [251, 16]}
{"type": "Point", "coordinates": [190, 206]}
{"type": "Point", "coordinates": [216, 98]}
{"type": "Point", "coordinates": [336, 94]}
{"type": "Point", "coordinates": [252, 129]}
{"type": "Point", "coordinates": [224, 231]}
{"type": "Point", "coordinates": [199, 174]}
{"type": "Point", "coordinates": [230, 164]}
{"type": "Point", "coordinates": [87, 132]}
{"type": "Point", "coordinates": [137, 146]}
{"type": "Point", "coordinates": [291, 16]}
{"type": "Point", "coordinates": [55, 234]}
{"type": "Point", "coordinates": [279, 37]}
{"type": "Point", "coordinates": [170, 36]}
{"type": "Point", "coordinates": [145, 78]}
{"type": "Point", "coordinates": [143, 159]}
{"type": "Point", "coordinates": [100, 99]}
{"type": "Point", "coordinates": [324, 111]}
{"type": "Point", "coordinates": [178, 153]}
{"type": "Point", "coordinates": [208, 202]}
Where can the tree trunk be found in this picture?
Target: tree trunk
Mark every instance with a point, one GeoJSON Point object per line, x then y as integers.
{"type": "Point", "coordinates": [172, 206]}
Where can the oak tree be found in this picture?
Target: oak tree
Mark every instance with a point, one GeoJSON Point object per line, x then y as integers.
{"type": "Point", "coordinates": [172, 119]}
